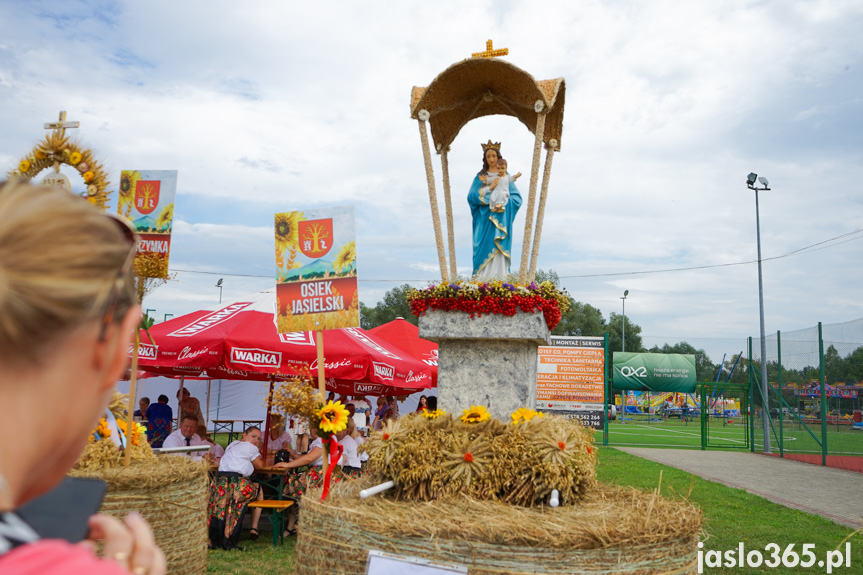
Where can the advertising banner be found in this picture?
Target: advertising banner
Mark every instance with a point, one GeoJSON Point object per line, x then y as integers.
{"type": "Point", "coordinates": [146, 199]}
{"type": "Point", "coordinates": [570, 379]}
{"type": "Point", "coordinates": [654, 372]}
{"type": "Point", "coordinates": [316, 270]}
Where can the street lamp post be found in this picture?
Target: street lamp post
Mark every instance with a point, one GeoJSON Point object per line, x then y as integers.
{"type": "Point", "coordinates": [765, 407]}
{"type": "Point", "coordinates": [623, 329]}
{"type": "Point", "coordinates": [219, 285]}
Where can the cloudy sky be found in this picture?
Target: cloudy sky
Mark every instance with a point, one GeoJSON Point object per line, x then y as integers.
{"type": "Point", "coordinates": [276, 106]}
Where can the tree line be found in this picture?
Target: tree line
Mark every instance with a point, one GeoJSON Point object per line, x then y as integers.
{"type": "Point", "coordinates": [584, 319]}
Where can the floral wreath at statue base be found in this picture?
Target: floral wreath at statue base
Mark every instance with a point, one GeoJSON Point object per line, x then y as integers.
{"type": "Point", "coordinates": [492, 297]}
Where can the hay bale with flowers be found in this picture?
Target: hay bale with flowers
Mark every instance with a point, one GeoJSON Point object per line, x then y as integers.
{"type": "Point", "coordinates": [475, 491]}
{"type": "Point", "coordinates": [170, 492]}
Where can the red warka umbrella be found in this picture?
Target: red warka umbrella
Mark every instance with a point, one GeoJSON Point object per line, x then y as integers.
{"type": "Point", "coordinates": [406, 336]}
{"type": "Point", "coordinates": [239, 340]}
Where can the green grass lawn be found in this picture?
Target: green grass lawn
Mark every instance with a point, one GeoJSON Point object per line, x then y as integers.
{"type": "Point", "coordinates": [731, 516]}
{"type": "Point", "coordinates": [647, 432]}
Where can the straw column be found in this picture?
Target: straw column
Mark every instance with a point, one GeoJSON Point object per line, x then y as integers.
{"type": "Point", "coordinates": [534, 176]}
{"type": "Point", "coordinates": [444, 164]}
{"type": "Point", "coordinates": [543, 195]}
{"type": "Point", "coordinates": [423, 116]}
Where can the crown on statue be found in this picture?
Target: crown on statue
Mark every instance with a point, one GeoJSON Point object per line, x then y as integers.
{"type": "Point", "coordinates": [494, 146]}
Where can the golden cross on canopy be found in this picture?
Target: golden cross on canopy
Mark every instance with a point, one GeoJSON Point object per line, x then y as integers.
{"type": "Point", "coordinates": [490, 52]}
{"type": "Point", "coordinates": [60, 126]}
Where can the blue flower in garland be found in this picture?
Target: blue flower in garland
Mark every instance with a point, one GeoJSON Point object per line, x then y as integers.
{"type": "Point", "coordinates": [455, 286]}
{"type": "Point", "coordinates": [533, 286]}
{"type": "Point", "coordinates": [510, 287]}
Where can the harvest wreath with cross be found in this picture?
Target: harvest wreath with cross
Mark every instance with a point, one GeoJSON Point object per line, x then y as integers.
{"type": "Point", "coordinates": [57, 149]}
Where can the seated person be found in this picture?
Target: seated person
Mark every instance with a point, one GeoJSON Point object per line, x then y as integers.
{"type": "Point", "coordinates": [214, 456]}
{"type": "Point", "coordinates": [350, 460]}
{"type": "Point", "coordinates": [143, 404]}
{"type": "Point", "coordinates": [159, 418]}
{"type": "Point", "coordinates": [297, 484]}
{"type": "Point", "coordinates": [185, 436]}
{"type": "Point", "coordinates": [232, 491]}
{"type": "Point", "coordinates": [280, 438]}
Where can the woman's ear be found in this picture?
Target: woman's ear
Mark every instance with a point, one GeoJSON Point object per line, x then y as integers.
{"type": "Point", "coordinates": [118, 353]}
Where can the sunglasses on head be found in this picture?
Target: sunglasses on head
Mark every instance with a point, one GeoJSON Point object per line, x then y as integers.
{"type": "Point", "coordinates": [119, 281]}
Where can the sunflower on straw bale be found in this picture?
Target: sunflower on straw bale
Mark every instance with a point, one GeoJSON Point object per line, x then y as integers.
{"type": "Point", "coordinates": [102, 453]}
{"type": "Point", "coordinates": [519, 463]}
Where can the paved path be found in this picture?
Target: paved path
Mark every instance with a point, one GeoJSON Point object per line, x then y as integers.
{"type": "Point", "coordinates": [831, 493]}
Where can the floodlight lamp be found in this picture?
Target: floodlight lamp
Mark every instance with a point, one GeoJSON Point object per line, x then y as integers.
{"type": "Point", "coordinates": [625, 293]}
{"type": "Point", "coordinates": [750, 179]}
{"type": "Point", "coordinates": [219, 283]}
{"type": "Point", "coordinates": [763, 181]}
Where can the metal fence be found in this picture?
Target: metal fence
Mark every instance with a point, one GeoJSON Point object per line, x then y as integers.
{"type": "Point", "coordinates": [803, 367]}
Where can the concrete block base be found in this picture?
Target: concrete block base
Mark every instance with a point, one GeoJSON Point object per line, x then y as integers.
{"type": "Point", "coordinates": [488, 360]}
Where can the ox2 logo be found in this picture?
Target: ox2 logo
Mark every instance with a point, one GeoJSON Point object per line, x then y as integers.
{"type": "Point", "coordinates": [627, 371]}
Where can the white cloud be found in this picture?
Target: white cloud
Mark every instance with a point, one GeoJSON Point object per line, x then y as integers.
{"type": "Point", "coordinates": [290, 106]}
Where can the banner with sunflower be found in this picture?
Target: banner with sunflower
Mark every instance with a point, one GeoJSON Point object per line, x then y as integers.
{"type": "Point", "coordinates": [146, 199]}
{"type": "Point", "coordinates": [316, 269]}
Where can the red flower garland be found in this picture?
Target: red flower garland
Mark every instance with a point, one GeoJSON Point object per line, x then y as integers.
{"type": "Point", "coordinates": [491, 304]}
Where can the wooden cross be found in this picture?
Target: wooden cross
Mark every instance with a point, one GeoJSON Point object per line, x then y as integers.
{"type": "Point", "coordinates": [490, 52]}
{"type": "Point", "coordinates": [60, 126]}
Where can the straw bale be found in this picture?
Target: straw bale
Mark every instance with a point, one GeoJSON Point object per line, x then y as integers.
{"type": "Point", "coordinates": [612, 530]}
{"type": "Point", "coordinates": [171, 494]}
{"type": "Point", "coordinates": [519, 464]}
{"type": "Point", "coordinates": [479, 87]}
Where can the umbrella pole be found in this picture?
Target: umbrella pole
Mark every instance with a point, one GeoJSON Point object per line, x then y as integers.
{"type": "Point", "coordinates": [209, 383]}
{"type": "Point", "coordinates": [322, 380]}
{"type": "Point", "coordinates": [267, 423]}
{"type": "Point", "coordinates": [130, 410]}
{"type": "Point", "coordinates": [322, 387]}
{"type": "Point", "coordinates": [180, 407]}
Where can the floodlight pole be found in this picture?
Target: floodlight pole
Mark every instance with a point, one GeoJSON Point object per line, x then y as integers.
{"type": "Point", "coordinates": [623, 329]}
{"type": "Point", "coordinates": [765, 408]}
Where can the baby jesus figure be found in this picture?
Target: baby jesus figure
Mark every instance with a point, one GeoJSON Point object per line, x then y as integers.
{"type": "Point", "coordinates": [499, 188]}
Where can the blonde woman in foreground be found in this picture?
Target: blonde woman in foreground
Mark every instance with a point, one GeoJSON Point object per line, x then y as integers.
{"type": "Point", "coordinates": [67, 316]}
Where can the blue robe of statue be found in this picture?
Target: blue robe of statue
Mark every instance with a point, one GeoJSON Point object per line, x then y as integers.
{"type": "Point", "coordinates": [492, 232]}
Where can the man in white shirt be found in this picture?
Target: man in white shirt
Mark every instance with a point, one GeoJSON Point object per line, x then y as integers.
{"type": "Point", "coordinates": [185, 436]}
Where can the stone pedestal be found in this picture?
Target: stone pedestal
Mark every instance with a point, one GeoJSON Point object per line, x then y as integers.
{"type": "Point", "coordinates": [488, 360]}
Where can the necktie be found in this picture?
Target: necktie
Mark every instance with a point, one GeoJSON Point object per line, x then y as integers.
{"type": "Point", "coordinates": [188, 441]}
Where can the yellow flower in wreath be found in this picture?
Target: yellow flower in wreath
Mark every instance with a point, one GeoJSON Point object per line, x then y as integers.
{"type": "Point", "coordinates": [39, 153]}
{"type": "Point", "coordinates": [88, 177]}
{"type": "Point", "coordinates": [24, 166]}
{"type": "Point", "coordinates": [475, 414]}
{"type": "Point", "coordinates": [334, 417]}
{"type": "Point", "coordinates": [74, 158]}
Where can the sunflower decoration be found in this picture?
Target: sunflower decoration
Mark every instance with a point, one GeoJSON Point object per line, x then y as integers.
{"type": "Point", "coordinates": [524, 414]}
{"type": "Point", "coordinates": [476, 414]}
{"type": "Point", "coordinates": [332, 418]}
{"type": "Point", "coordinates": [165, 219]}
{"type": "Point", "coordinates": [434, 414]}
{"type": "Point", "coordinates": [288, 237]}
{"type": "Point", "coordinates": [126, 195]}
{"type": "Point", "coordinates": [346, 257]}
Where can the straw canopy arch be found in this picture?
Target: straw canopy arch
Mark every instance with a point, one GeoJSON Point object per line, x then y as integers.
{"type": "Point", "coordinates": [479, 87]}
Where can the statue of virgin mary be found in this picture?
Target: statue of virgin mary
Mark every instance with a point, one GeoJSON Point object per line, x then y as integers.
{"type": "Point", "coordinates": [492, 229]}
